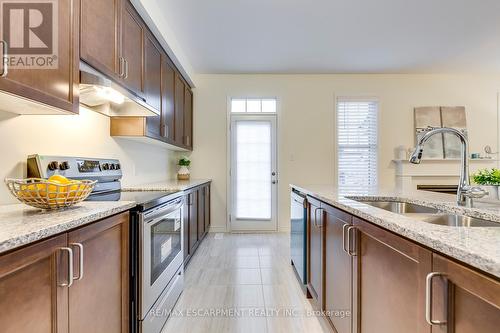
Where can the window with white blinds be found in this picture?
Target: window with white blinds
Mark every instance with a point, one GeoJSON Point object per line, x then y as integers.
{"type": "Point", "coordinates": [357, 144]}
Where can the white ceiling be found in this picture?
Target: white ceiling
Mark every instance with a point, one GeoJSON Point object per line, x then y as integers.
{"type": "Point", "coordinates": [337, 36]}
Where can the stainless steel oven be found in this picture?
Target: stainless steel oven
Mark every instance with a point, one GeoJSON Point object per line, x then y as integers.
{"type": "Point", "coordinates": [160, 262]}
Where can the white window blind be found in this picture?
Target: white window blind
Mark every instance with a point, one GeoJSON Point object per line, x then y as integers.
{"type": "Point", "coordinates": [357, 144]}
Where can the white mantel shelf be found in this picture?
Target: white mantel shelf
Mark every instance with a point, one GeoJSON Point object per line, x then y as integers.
{"type": "Point", "coordinates": [436, 172]}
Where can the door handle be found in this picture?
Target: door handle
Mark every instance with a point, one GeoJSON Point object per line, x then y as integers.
{"type": "Point", "coordinates": [80, 261]}
{"type": "Point", "coordinates": [70, 267]}
{"type": "Point", "coordinates": [428, 299]}
{"type": "Point", "coordinates": [349, 252]}
{"type": "Point", "coordinates": [5, 57]}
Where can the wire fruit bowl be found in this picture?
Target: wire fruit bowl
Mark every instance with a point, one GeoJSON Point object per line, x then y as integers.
{"type": "Point", "coordinates": [44, 194]}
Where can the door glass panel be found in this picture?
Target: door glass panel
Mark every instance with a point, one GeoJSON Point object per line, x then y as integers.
{"type": "Point", "coordinates": [165, 243]}
{"type": "Point", "coordinates": [253, 169]}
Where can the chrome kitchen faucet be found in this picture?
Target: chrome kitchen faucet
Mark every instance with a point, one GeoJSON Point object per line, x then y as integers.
{"type": "Point", "coordinates": [465, 192]}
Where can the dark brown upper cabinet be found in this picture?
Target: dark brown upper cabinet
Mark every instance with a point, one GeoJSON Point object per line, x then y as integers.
{"type": "Point", "coordinates": [132, 49]}
{"type": "Point", "coordinates": [179, 110]}
{"type": "Point", "coordinates": [99, 18]}
{"type": "Point", "coordinates": [152, 71]}
{"type": "Point", "coordinates": [47, 90]}
{"type": "Point", "coordinates": [188, 118]}
{"type": "Point", "coordinates": [167, 99]}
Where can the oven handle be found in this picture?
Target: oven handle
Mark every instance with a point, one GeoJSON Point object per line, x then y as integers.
{"type": "Point", "coordinates": [165, 209]}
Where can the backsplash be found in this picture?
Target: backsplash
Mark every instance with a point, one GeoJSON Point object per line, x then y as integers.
{"type": "Point", "coordinates": [85, 135]}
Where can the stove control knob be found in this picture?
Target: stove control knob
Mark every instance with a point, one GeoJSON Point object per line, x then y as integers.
{"type": "Point", "coordinates": [112, 166]}
{"type": "Point", "coordinates": [53, 166]}
{"type": "Point", "coordinates": [118, 166]}
{"type": "Point", "coordinates": [105, 166]}
{"type": "Point", "coordinates": [64, 166]}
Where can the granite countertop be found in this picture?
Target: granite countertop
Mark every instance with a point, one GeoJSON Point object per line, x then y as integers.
{"type": "Point", "coordinates": [167, 185]}
{"type": "Point", "coordinates": [21, 225]}
{"type": "Point", "coordinates": [476, 246]}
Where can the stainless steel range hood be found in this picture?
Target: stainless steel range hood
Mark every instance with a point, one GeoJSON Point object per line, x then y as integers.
{"type": "Point", "coordinates": [100, 94]}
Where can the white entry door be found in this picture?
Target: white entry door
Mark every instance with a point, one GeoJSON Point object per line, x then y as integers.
{"type": "Point", "coordinates": [253, 173]}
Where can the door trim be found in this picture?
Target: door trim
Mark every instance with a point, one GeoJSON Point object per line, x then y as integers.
{"type": "Point", "coordinates": [229, 205]}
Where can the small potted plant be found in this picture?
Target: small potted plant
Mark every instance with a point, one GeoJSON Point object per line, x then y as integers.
{"type": "Point", "coordinates": [183, 173]}
{"type": "Point", "coordinates": [488, 179]}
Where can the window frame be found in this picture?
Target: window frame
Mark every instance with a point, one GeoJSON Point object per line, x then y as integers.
{"type": "Point", "coordinates": [230, 106]}
{"type": "Point", "coordinates": [359, 99]}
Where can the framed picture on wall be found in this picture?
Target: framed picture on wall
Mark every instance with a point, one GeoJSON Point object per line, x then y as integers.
{"type": "Point", "coordinates": [444, 146]}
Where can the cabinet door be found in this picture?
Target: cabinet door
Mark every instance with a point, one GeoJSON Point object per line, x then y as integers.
{"type": "Point", "coordinates": [316, 257]}
{"type": "Point", "coordinates": [201, 213]}
{"type": "Point", "coordinates": [152, 71]}
{"type": "Point", "coordinates": [56, 87]}
{"type": "Point", "coordinates": [179, 110]}
{"type": "Point", "coordinates": [31, 296]}
{"type": "Point", "coordinates": [99, 32]}
{"type": "Point", "coordinates": [338, 269]}
{"type": "Point", "coordinates": [193, 221]}
{"type": "Point", "coordinates": [98, 298]}
{"type": "Point", "coordinates": [207, 208]}
{"type": "Point", "coordinates": [186, 225]}
{"type": "Point", "coordinates": [167, 94]}
{"type": "Point", "coordinates": [188, 118]}
{"type": "Point", "coordinates": [391, 274]}
{"type": "Point", "coordinates": [469, 302]}
{"type": "Point", "coordinates": [132, 49]}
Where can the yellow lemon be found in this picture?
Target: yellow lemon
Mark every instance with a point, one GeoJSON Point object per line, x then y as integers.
{"type": "Point", "coordinates": [59, 179]}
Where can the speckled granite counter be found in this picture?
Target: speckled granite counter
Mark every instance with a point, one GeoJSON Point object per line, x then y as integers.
{"type": "Point", "coordinates": [476, 246]}
{"type": "Point", "coordinates": [168, 185]}
{"type": "Point", "coordinates": [21, 225]}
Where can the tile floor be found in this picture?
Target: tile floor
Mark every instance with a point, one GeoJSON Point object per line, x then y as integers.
{"type": "Point", "coordinates": [243, 283]}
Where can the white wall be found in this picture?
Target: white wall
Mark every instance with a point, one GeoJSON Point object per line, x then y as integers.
{"type": "Point", "coordinates": [306, 122]}
{"type": "Point", "coordinates": [84, 135]}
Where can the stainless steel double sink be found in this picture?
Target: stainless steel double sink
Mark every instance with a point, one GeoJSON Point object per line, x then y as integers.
{"type": "Point", "coordinates": [431, 215]}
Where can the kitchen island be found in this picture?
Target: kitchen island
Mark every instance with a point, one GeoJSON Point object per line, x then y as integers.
{"type": "Point", "coordinates": [396, 273]}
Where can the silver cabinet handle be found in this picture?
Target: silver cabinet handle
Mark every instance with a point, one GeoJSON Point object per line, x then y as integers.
{"type": "Point", "coordinates": [121, 65]}
{"type": "Point", "coordinates": [70, 267]}
{"type": "Point", "coordinates": [80, 261]}
{"type": "Point", "coordinates": [5, 58]}
{"type": "Point", "coordinates": [187, 140]}
{"type": "Point", "coordinates": [349, 252]}
{"type": "Point", "coordinates": [428, 299]}
{"type": "Point", "coordinates": [126, 68]}
{"type": "Point", "coordinates": [344, 228]}
{"type": "Point", "coordinates": [315, 218]}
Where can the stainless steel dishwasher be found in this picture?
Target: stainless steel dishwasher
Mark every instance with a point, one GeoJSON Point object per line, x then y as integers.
{"type": "Point", "coordinates": [298, 235]}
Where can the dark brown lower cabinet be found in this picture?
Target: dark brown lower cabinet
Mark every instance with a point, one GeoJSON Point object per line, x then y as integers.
{"type": "Point", "coordinates": [196, 218]}
{"type": "Point", "coordinates": [338, 269]}
{"type": "Point", "coordinates": [32, 298]}
{"type": "Point", "coordinates": [201, 212]}
{"type": "Point", "coordinates": [391, 273]}
{"type": "Point", "coordinates": [465, 300]}
{"type": "Point", "coordinates": [37, 293]}
{"type": "Point", "coordinates": [193, 221]}
{"type": "Point", "coordinates": [315, 253]}
{"type": "Point", "coordinates": [383, 279]}
{"type": "Point", "coordinates": [207, 208]}
{"type": "Point", "coordinates": [98, 302]}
